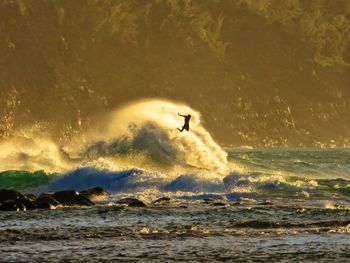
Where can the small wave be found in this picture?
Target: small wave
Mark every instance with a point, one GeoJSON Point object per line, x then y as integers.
{"type": "Point", "coordinates": [257, 224]}
{"type": "Point", "coordinates": [304, 164]}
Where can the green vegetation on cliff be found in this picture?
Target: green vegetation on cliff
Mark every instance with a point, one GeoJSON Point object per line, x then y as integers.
{"type": "Point", "coordinates": [262, 72]}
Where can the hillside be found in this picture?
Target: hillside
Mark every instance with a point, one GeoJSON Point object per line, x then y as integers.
{"type": "Point", "coordinates": [262, 73]}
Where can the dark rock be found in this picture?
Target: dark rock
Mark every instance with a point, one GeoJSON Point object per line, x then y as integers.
{"type": "Point", "coordinates": [48, 199]}
{"type": "Point", "coordinates": [131, 202]}
{"type": "Point", "coordinates": [12, 195]}
{"type": "Point", "coordinates": [28, 204]}
{"type": "Point", "coordinates": [207, 200]}
{"type": "Point", "coordinates": [6, 195]}
{"type": "Point", "coordinates": [266, 202]}
{"type": "Point", "coordinates": [12, 205]}
{"type": "Point", "coordinates": [30, 197]}
{"type": "Point", "coordinates": [47, 202]}
{"type": "Point", "coordinates": [337, 206]}
{"type": "Point", "coordinates": [46, 194]}
{"type": "Point", "coordinates": [72, 198]}
{"type": "Point", "coordinates": [218, 204]}
{"type": "Point", "coordinates": [45, 206]}
{"type": "Point", "coordinates": [162, 200]}
{"type": "Point", "coordinates": [94, 193]}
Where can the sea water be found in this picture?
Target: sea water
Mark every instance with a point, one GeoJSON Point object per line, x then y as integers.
{"type": "Point", "coordinates": [226, 204]}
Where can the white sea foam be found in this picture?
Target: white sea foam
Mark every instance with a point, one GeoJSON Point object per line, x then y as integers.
{"type": "Point", "coordinates": [142, 134]}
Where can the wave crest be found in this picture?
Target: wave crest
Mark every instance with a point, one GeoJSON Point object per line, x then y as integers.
{"type": "Point", "coordinates": [141, 134]}
{"type": "Point", "coordinates": [145, 132]}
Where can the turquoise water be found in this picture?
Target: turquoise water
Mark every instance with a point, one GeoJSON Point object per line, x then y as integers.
{"type": "Point", "coordinates": [292, 173]}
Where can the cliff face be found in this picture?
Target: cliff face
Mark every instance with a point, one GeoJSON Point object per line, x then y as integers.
{"type": "Point", "coordinates": [262, 73]}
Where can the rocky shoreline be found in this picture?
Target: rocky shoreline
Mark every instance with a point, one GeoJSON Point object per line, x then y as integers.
{"type": "Point", "coordinates": [11, 200]}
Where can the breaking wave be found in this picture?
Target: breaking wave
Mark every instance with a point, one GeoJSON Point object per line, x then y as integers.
{"type": "Point", "coordinates": [137, 149]}
{"type": "Point", "coordinates": [189, 186]}
{"type": "Point", "coordinates": [142, 134]}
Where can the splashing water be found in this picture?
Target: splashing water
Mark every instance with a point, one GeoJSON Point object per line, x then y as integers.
{"type": "Point", "coordinates": [31, 153]}
{"type": "Point", "coordinates": [142, 133]}
{"type": "Point", "coordinates": [137, 149]}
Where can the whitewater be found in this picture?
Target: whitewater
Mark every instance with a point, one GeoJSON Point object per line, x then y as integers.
{"type": "Point", "coordinates": [221, 204]}
{"type": "Point", "coordinates": [141, 133]}
{"type": "Point", "coordinates": [137, 149]}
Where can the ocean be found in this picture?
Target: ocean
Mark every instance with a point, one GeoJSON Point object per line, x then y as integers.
{"type": "Point", "coordinates": [289, 205]}
{"type": "Point", "coordinates": [219, 204]}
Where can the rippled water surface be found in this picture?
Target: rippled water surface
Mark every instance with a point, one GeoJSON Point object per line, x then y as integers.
{"type": "Point", "coordinates": [277, 206]}
{"type": "Point", "coordinates": [179, 232]}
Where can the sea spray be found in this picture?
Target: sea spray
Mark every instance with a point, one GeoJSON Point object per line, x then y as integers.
{"type": "Point", "coordinates": [32, 152]}
{"type": "Point", "coordinates": [144, 133]}
{"type": "Point", "coordinates": [141, 134]}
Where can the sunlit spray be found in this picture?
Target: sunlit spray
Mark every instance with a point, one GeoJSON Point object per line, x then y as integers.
{"type": "Point", "coordinates": [148, 129]}
{"type": "Point", "coordinates": [141, 134]}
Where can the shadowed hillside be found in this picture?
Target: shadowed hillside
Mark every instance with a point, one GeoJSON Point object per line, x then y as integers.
{"type": "Point", "coordinates": [262, 72]}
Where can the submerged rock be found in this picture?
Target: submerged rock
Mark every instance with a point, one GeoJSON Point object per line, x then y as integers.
{"type": "Point", "coordinates": [218, 204]}
{"type": "Point", "coordinates": [266, 202]}
{"type": "Point", "coordinates": [207, 200]}
{"type": "Point", "coordinates": [72, 198]}
{"type": "Point", "coordinates": [162, 200]}
{"type": "Point", "coordinates": [94, 193]}
{"type": "Point", "coordinates": [131, 202]}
